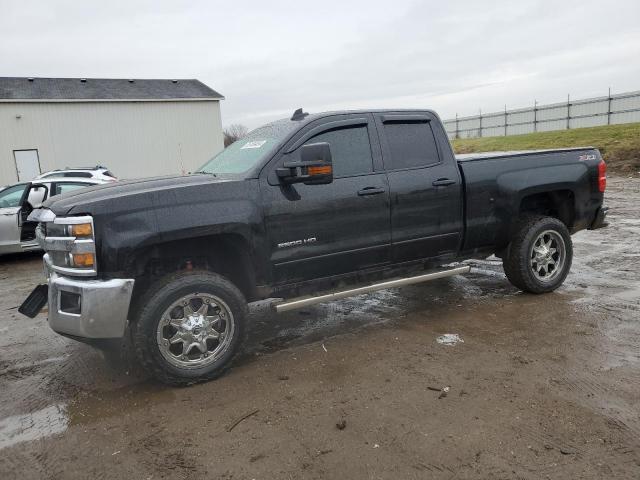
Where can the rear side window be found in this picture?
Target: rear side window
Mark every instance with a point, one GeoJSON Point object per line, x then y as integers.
{"type": "Point", "coordinates": [411, 144]}
{"type": "Point", "coordinates": [61, 188]}
{"type": "Point", "coordinates": [350, 150]}
{"type": "Point", "coordinates": [78, 174]}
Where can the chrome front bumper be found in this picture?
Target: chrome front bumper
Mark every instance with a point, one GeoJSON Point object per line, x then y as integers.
{"type": "Point", "coordinates": [101, 309]}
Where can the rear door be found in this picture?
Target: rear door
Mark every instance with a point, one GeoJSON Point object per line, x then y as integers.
{"type": "Point", "coordinates": [324, 230]}
{"type": "Point", "coordinates": [425, 187]}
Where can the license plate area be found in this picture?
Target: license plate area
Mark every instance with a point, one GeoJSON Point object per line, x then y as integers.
{"type": "Point", "coordinates": [35, 301]}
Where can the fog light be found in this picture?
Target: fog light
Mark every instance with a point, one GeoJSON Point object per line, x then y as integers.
{"type": "Point", "coordinates": [81, 230]}
{"type": "Point", "coordinates": [70, 303]}
{"type": "Point", "coordinates": [83, 259]}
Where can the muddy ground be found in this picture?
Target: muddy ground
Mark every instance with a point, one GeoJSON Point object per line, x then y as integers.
{"type": "Point", "coordinates": [541, 386]}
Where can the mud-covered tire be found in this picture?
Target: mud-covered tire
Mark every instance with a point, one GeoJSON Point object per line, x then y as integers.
{"type": "Point", "coordinates": [517, 261]}
{"type": "Point", "coordinates": [151, 307]}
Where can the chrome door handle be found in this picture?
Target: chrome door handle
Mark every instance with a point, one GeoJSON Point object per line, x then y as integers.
{"type": "Point", "coordinates": [371, 191]}
{"type": "Point", "coordinates": [443, 182]}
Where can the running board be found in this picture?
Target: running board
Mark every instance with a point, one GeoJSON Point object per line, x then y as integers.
{"type": "Point", "coordinates": [285, 306]}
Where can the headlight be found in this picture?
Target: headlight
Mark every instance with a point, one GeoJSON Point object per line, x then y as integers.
{"type": "Point", "coordinates": [69, 243]}
{"type": "Point", "coordinates": [81, 230]}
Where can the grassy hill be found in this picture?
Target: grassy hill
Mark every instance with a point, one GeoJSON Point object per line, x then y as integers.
{"type": "Point", "coordinates": [619, 144]}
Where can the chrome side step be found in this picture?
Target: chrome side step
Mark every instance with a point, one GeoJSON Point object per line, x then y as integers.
{"type": "Point", "coordinates": [285, 306]}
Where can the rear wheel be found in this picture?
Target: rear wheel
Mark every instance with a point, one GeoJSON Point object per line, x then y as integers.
{"type": "Point", "coordinates": [189, 327]}
{"type": "Point", "coordinates": [539, 256]}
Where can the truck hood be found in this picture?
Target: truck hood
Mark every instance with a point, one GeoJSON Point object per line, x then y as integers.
{"type": "Point", "coordinates": [84, 200]}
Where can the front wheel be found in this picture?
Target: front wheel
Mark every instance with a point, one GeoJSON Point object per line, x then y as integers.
{"type": "Point", "coordinates": [539, 256]}
{"type": "Point", "coordinates": [189, 327]}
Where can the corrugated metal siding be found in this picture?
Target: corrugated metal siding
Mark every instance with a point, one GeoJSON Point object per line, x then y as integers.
{"type": "Point", "coordinates": [133, 139]}
{"type": "Point", "coordinates": [619, 108]}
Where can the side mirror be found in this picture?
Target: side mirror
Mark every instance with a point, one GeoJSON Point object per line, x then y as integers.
{"type": "Point", "coordinates": [314, 168]}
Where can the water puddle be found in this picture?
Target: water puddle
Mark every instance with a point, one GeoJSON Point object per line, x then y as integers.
{"type": "Point", "coordinates": [43, 423]}
{"type": "Point", "coordinates": [449, 339]}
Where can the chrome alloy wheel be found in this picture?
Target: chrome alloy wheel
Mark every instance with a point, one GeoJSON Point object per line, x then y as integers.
{"type": "Point", "coordinates": [195, 330]}
{"type": "Point", "coordinates": [548, 255]}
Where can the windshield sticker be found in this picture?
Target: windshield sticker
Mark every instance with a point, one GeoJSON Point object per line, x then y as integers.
{"type": "Point", "coordinates": [257, 144]}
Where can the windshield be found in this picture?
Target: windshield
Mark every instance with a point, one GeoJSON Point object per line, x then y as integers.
{"type": "Point", "coordinates": [246, 153]}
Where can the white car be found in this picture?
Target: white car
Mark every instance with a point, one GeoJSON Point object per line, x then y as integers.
{"type": "Point", "coordinates": [18, 200]}
{"type": "Point", "coordinates": [98, 172]}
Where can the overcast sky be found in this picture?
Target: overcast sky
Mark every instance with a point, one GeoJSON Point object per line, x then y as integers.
{"type": "Point", "coordinates": [269, 57]}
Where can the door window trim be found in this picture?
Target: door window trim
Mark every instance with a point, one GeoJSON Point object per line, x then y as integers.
{"type": "Point", "coordinates": [325, 127]}
{"type": "Point", "coordinates": [381, 119]}
{"type": "Point", "coordinates": [322, 125]}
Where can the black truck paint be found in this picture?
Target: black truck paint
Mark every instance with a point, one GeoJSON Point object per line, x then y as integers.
{"type": "Point", "coordinates": [300, 206]}
{"type": "Point", "coordinates": [443, 211]}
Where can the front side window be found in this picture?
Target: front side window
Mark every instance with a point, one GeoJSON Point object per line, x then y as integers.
{"type": "Point", "coordinates": [350, 150]}
{"type": "Point", "coordinates": [10, 197]}
{"type": "Point", "coordinates": [411, 144]}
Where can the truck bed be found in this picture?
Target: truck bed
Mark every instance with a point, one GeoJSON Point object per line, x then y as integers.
{"type": "Point", "coordinates": [468, 157]}
{"type": "Point", "coordinates": [497, 184]}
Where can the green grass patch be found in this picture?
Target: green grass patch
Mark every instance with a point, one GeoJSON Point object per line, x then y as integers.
{"type": "Point", "coordinates": [618, 144]}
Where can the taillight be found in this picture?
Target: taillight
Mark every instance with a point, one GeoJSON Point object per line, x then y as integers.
{"type": "Point", "coordinates": [602, 176]}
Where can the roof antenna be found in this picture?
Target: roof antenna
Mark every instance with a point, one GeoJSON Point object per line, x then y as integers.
{"type": "Point", "coordinates": [299, 115]}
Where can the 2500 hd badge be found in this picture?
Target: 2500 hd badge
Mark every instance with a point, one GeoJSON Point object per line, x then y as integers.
{"type": "Point", "coordinates": [294, 243]}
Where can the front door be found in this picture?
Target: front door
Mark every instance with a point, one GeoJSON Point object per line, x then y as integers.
{"type": "Point", "coordinates": [324, 230]}
{"type": "Point", "coordinates": [34, 197]}
{"type": "Point", "coordinates": [27, 164]}
{"type": "Point", "coordinates": [10, 205]}
{"type": "Point", "coordinates": [425, 186]}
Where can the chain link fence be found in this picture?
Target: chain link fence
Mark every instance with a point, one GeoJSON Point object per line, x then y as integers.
{"type": "Point", "coordinates": [591, 112]}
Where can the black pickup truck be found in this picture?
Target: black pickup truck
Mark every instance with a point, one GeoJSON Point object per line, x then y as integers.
{"type": "Point", "coordinates": [300, 211]}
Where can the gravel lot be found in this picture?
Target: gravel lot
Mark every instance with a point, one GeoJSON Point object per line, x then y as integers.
{"type": "Point", "coordinates": [539, 386]}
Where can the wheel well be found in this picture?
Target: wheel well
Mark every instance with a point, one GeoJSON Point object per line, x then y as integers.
{"type": "Point", "coordinates": [226, 254]}
{"type": "Point", "coordinates": [558, 203]}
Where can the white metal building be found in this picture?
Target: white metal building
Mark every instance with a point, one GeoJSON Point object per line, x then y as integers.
{"type": "Point", "coordinates": [136, 128]}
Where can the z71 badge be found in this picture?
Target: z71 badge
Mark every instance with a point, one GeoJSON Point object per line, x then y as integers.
{"type": "Point", "coordinates": [586, 157]}
{"type": "Point", "coordinates": [295, 243]}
